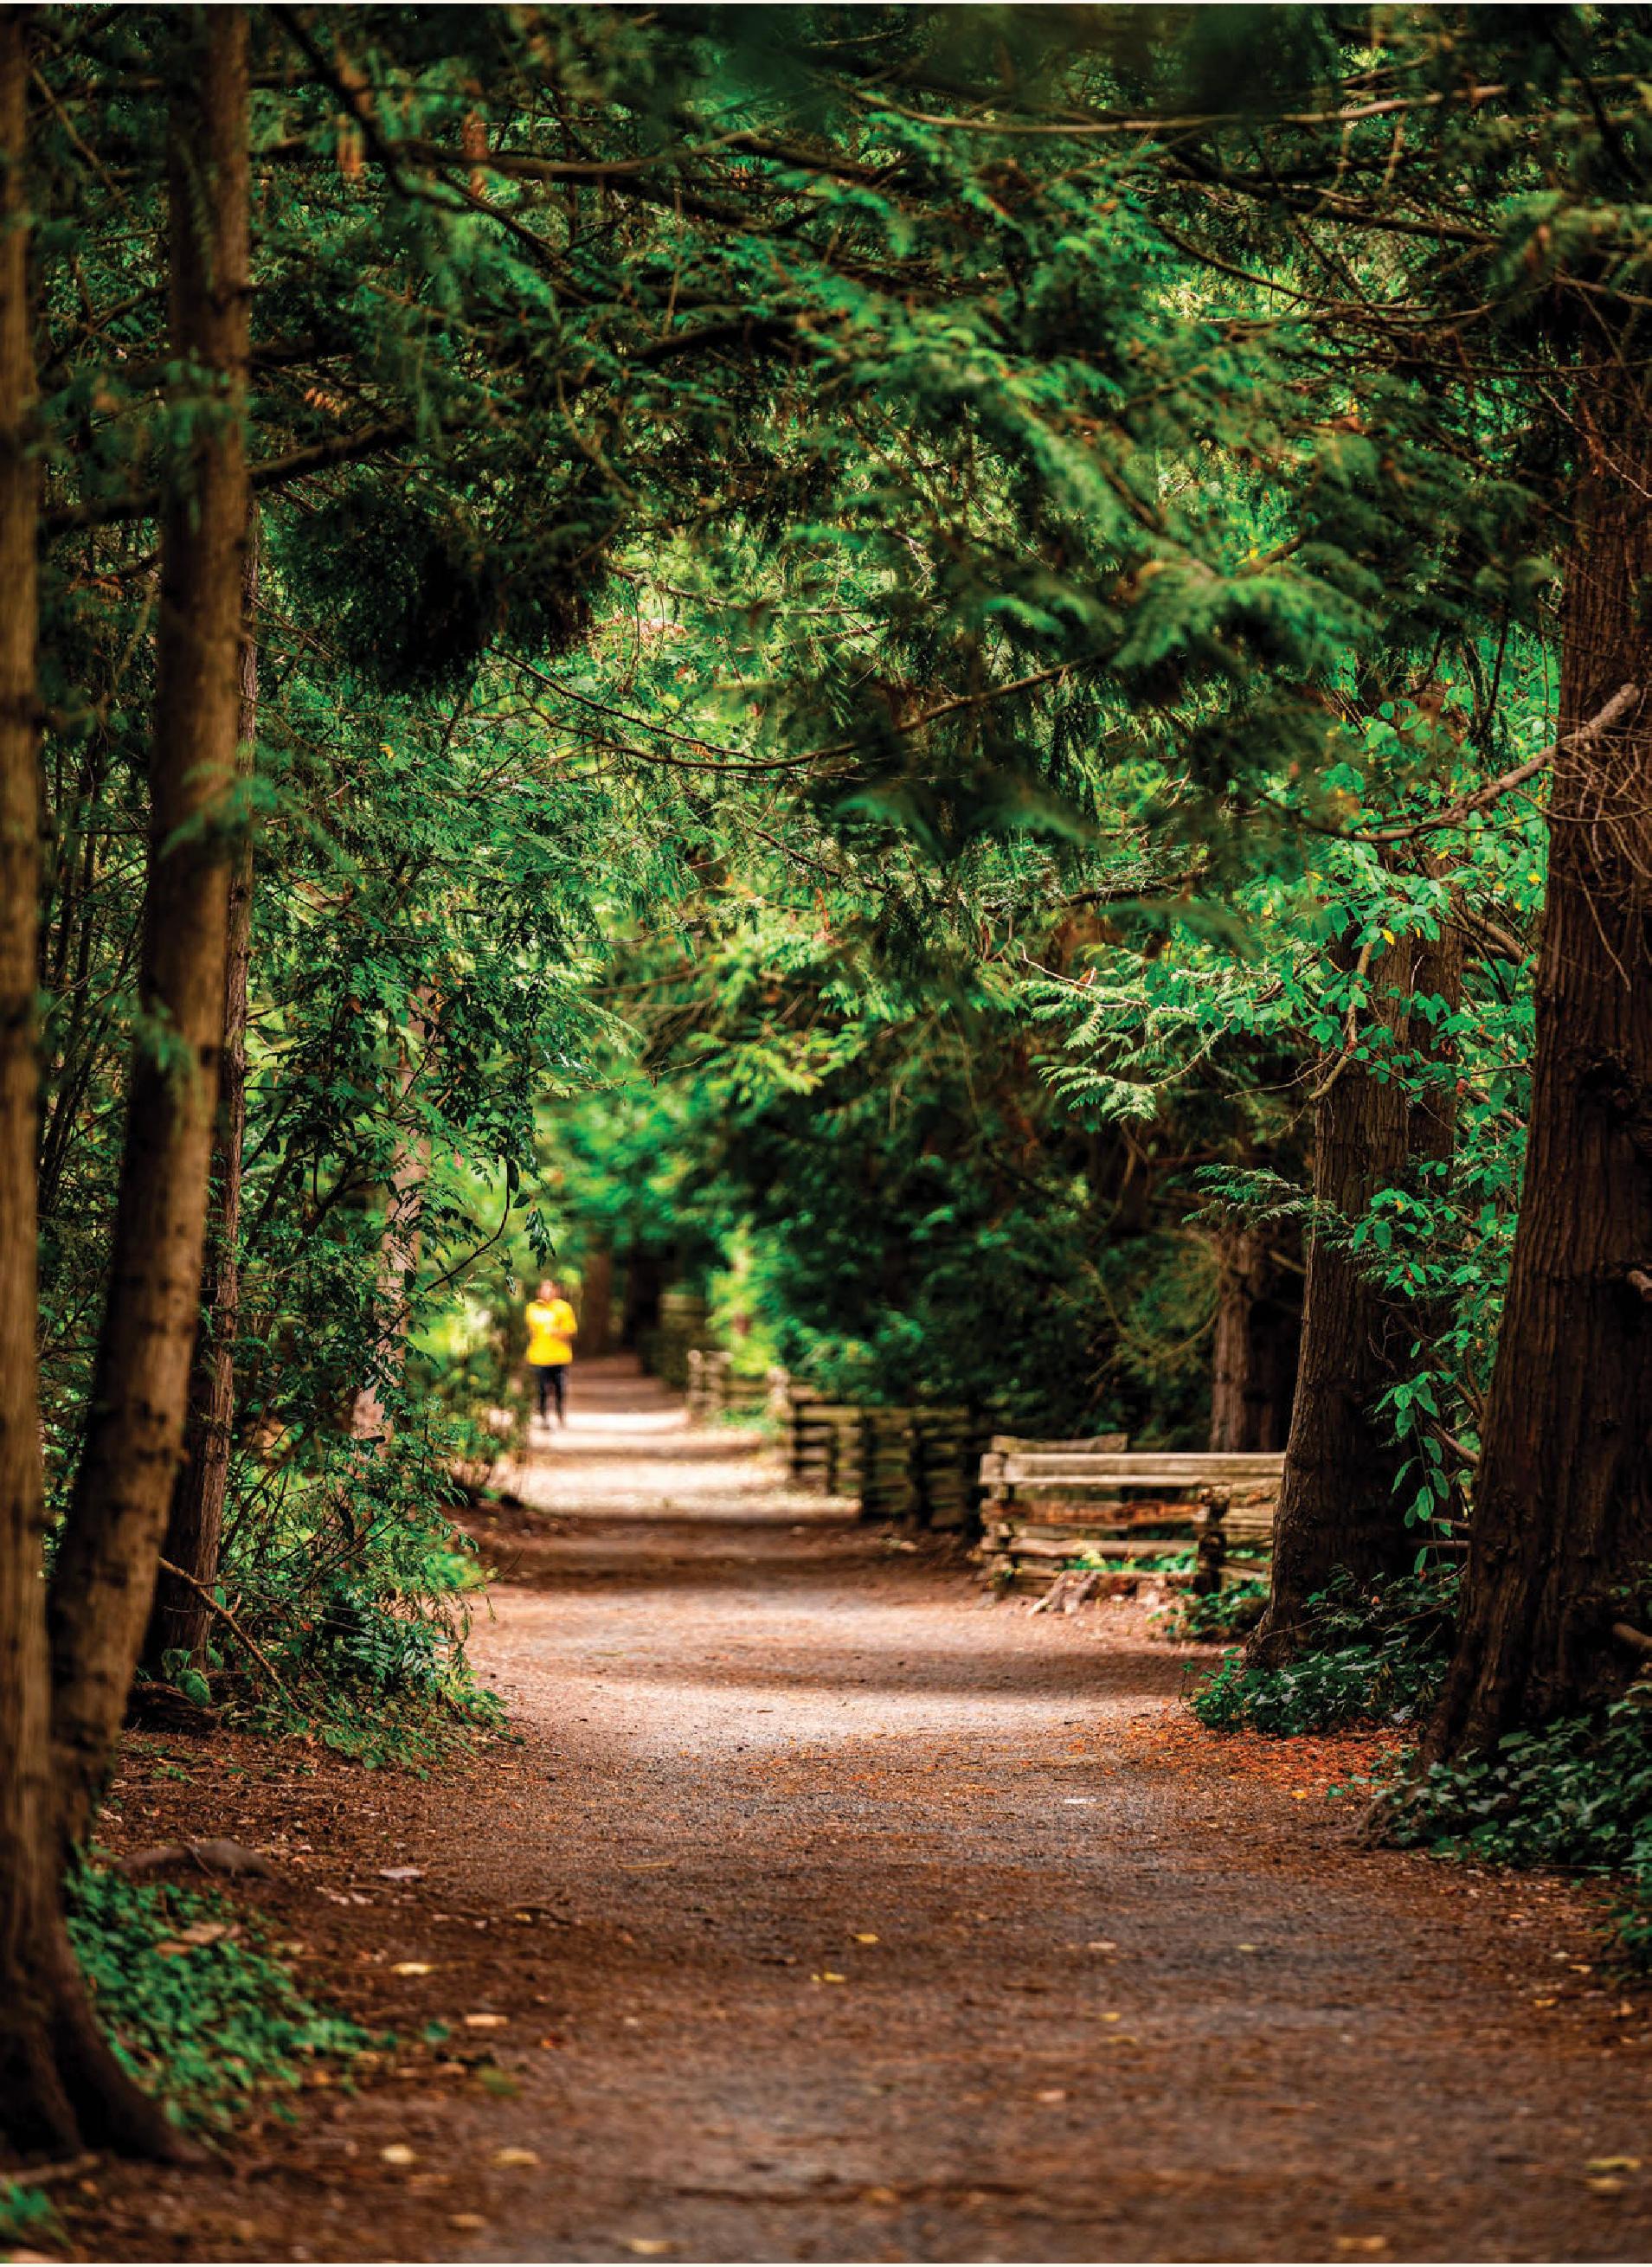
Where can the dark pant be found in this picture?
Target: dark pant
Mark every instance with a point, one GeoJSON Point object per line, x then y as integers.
{"type": "Point", "coordinates": [553, 1376]}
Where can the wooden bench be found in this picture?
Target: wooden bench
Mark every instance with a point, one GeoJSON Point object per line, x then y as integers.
{"type": "Point", "coordinates": [1048, 1505]}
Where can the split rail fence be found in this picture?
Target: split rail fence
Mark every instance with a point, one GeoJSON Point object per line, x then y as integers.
{"type": "Point", "coordinates": [1055, 1509]}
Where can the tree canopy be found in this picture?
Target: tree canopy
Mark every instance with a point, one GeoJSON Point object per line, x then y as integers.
{"type": "Point", "coordinates": [971, 680]}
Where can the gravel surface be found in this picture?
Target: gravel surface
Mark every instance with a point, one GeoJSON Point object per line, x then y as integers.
{"type": "Point", "coordinates": [835, 1912]}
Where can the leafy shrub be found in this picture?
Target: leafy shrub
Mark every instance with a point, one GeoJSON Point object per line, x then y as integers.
{"type": "Point", "coordinates": [1379, 1659]}
{"type": "Point", "coordinates": [196, 2013]}
{"type": "Point", "coordinates": [1223, 1614]}
{"type": "Point", "coordinates": [353, 1584]}
{"type": "Point", "coordinates": [1576, 1793]}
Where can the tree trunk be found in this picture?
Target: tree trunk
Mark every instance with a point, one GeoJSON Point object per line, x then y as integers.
{"type": "Point", "coordinates": [1253, 1359]}
{"type": "Point", "coordinates": [60, 2086]}
{"type": "Point", "coordinates": [401, 1237]}
{"type": "Point", "coordinates": [106, 1569]}
{"type": "Point", "coordinates": [596, 1302]}
{"type": "Point", "coordinates": [1436, 974]}
{"type": "Point", "coordinates": [179, 1619]}
{"type": "Point", "coordinates": [644, 1281]}
{"type": "Point", "coordinates": [1337, 1507]}
{"type": "Point", "coordinates": [1562, 1527]}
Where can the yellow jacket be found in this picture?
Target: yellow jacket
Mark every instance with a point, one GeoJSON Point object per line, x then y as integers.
{"type": "Point", "coordinates": [551, 1326]}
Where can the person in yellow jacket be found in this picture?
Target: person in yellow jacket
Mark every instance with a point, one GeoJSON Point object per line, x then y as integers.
{"type": "Point", "coordinates": [551, 1331]}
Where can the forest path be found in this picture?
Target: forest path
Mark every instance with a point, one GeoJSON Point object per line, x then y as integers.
{"type": "Point", "coordinates": [1134, 1993]}
{"type": "Point", "coordinates": [767, 1738]}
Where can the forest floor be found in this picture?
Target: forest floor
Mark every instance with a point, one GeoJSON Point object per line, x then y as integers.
{"type": "Point", "coordinates": [824, 1908]}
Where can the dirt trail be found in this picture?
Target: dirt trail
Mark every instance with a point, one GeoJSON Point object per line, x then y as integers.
{"type": "Point", "coordinates": [864, 1919]}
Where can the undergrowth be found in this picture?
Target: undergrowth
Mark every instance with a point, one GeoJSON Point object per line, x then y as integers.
{"type": "Point", "coordinates": [26, 2215]}
{"type": "Point", "coordinates": [354, 1585]}
{"type": "Point", "coordinates": [1214, 1619]}
{"type": "Point", "coordinates": [198, 2012]}
{"type": "Point", "coordinates": [1576, 1792]}
{"type": "Point", "coordinates": [1380, 1658]}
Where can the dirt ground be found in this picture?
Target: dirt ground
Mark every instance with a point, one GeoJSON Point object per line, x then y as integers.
{"type": "Point", "coordinates": [826, 1909]}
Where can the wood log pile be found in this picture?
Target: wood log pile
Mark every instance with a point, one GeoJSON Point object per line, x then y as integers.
{"type": "Point", "coordinates": [1052, 1506]}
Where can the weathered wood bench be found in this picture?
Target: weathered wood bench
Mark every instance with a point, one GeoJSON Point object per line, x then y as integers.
{"type": "Point", "coordinates": [1049, 1505]}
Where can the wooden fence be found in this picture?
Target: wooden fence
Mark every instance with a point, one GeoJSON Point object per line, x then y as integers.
{"type": "Point", "coordinates": [1053, 1507]}
{"type": "Point", "coordinates": [917, 1464]}
{"type": "Point", "coordinates": [715, 1389]}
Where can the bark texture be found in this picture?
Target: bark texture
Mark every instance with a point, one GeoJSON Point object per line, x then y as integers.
{"type": "Point", "coordinates": [1337, 1505]}
{"type": "Point", "coordinates": [105, 1571]}
{"type": "Point", "coordinates": [59, 2083]}
{"type": "Point", "coordinates": [1562, 1527]}
{"type": "Point", "coordinates": [1254, 1353]}
{"type": "Point", "coordinates": [195, 1526]}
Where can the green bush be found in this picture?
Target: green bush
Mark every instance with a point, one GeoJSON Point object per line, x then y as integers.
{"type": "Point", "coordinates": [197, 2012]}
{"type": "Point", "coordinates": [1576, 1792]}
{"type": "Point", "coordinates": [1224, 1614]}
{"type": "Point", "coordinates": [1380, 1659]}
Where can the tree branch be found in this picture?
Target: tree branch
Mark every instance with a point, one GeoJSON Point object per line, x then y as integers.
{"type": "Point", "coordinates": [1623, 699]}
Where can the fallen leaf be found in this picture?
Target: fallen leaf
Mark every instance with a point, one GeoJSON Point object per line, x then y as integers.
{"type": "Point", "coordinates": [862, 1938]}
{"type": "Point", "coordinates": [401, 1873]}
{"type": "Point", "coordinates": [1612, 2165]}
{"type": "Point", "coordinates": [398, 2154]}
{"type": "Point", "coordinates": [828, 1976]}
{"type": "Point", "coordinates": [1101, 1944]}
{"type": "Point", "coordinates": [411, 1968]}
{"type": "Point", "coordinates": [647, 2247]}
{"type": "Point", "coordinates": [507, 2159]}
{"type": "Point", "coordinates": [485, 2022]}
{"type": "Point", "coordinates": [1611, 2186]}
{"type": "Point", "coordinates": [1112, 2017]}
{"type": "Point", "coordinates": [1052, 2094]}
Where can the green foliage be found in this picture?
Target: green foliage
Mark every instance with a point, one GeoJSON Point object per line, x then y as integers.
{"type": "Point", "coordinates": [1376, 1657]}
{"type": "Point", "coordinates": [196, 2011]}
{"type": "Point", "coordinates": [26, 2215]}
{"type": "Point", "coordinates": [1217, 1617]}
{"type": "Point", "coordinates": [1576, 1793]}
{"type": "Point", "coordinates": [859, 692]}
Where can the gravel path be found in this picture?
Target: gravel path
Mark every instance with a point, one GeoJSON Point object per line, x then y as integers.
{"type": "Point", "coordinates": [1121, 2002]}
{"type": "Point", "coordinates": [838, 1913]}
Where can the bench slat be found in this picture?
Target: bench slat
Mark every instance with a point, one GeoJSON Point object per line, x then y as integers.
{"type": "Point", "coordinates": [1146, 1468]}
